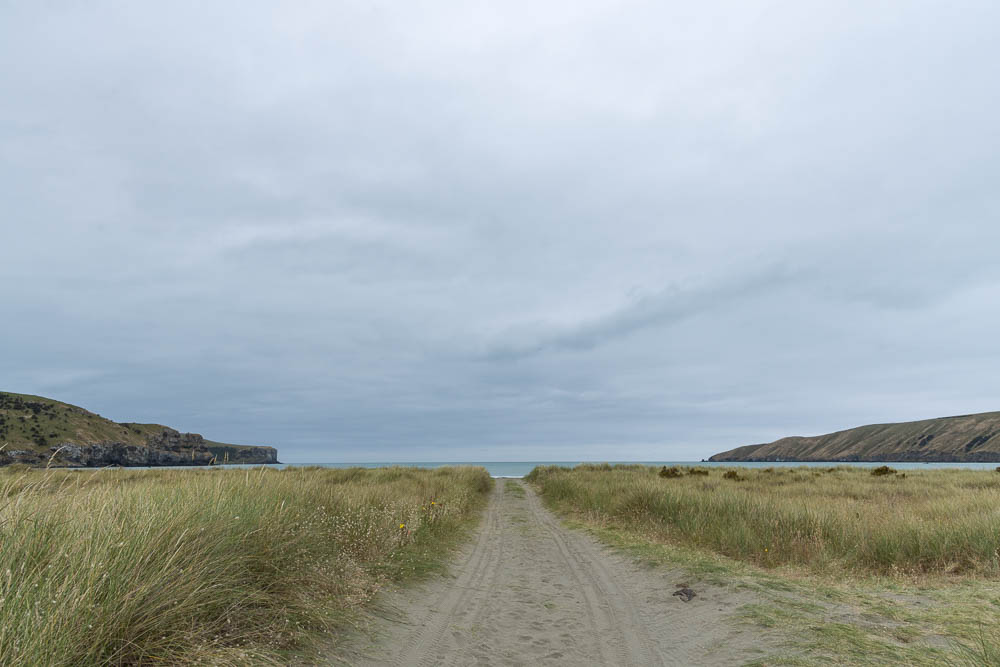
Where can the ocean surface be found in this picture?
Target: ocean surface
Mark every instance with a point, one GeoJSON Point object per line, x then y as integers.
{"type": "Point", "coordinates": [522, 468]}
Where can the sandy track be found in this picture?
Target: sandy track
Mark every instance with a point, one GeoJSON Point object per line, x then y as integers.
{"type": "Point", "coordinates": [528, 591]}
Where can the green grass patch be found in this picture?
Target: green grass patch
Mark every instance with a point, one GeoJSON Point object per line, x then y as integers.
{"type": "Point", "coordinates": [514, 488]}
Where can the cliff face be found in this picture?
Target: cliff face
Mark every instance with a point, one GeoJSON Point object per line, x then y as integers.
{"type": "Point", "coordinates": [224, 453]}
{"type": "Point", "coordinates": [41, 431]}
{"type": "Point", "coordinates": [968, 438]}
{"type": "Point", "coordinates": [167, 448]}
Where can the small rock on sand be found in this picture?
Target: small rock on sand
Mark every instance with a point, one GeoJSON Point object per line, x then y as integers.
{"type": "Point", "coordinates": [685, 594]}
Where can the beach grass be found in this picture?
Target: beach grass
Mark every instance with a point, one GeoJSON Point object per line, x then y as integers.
{"type": "Point", "coordinates": [847, 567]}
{"type": "Point", "coordinates": [826, 519]}
{"type": "Point", "coordinates": [116, 567]}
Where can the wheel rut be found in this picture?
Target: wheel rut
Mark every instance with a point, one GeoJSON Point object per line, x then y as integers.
{"type": "Point", "coordinates": [527, 591]}
{"type": "Point", "coordinates": [622, 627]}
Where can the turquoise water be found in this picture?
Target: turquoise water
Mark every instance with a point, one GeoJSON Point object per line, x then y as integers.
{"type": "Point", "coordinates": [522, 468]}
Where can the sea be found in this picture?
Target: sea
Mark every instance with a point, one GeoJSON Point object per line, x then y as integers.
{"type": "Point", "coordinates": [515, 469]}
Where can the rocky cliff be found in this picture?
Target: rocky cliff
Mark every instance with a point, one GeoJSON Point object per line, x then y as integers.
{"type": "Point", "coordinates": [224, 453]}
{"type": "Point", "coordinates": [41, 431]}
{"type": "Point", "coordinates": [966, 438]}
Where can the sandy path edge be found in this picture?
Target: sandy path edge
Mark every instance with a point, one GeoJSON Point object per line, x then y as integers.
{"type": "Point", "coordinates": [528, 591]}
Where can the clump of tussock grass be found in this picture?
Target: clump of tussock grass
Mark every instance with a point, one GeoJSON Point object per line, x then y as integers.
{"type": "Point", "coordinates": [843, 519]}
{"type": "Point", "coordinates": [676, 471]}
{"type": "Point", "coordinates": [219, 567]}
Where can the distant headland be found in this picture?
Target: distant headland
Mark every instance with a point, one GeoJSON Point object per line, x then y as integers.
{"type": "Point", "coordinates": [42, 431]}
{"type": "Point", "coordinates": [962, 439]}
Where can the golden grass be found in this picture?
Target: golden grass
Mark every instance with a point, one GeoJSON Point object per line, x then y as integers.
{"type": "Point", "coordinates": [216, 566]}
{"type": "Point", "coordinates": [828, 519]}
{"type": "Point", "coordinates": [848, 567]}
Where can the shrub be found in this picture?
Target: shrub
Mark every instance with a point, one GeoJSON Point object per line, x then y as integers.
{"type": "Point", "coordinates": [672, 471]}
{"type": "Point", "coordinates": [882, 470]}
{"type": "Point", "coordinates": [733, 475]}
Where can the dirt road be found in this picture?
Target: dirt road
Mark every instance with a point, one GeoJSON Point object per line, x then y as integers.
{"type": "Point", "coordinates": [527, 591]}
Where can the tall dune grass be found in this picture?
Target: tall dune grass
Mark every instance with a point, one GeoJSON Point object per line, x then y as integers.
{"type": "Point", "coordinates": [217, 566]}
{"type": "Point", "coordinates": [831, 519]}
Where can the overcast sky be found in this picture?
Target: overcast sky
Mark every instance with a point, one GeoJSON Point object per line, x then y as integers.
{"type": "Point", "coordinates": [509, 230]}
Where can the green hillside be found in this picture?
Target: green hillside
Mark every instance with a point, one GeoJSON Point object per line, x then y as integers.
{"type": "Point", "coordinates": [34, 422]}
{"type": "Point", "coordinates": [966, 438]}
{"type": "Point", "coordinates": [35, 425]}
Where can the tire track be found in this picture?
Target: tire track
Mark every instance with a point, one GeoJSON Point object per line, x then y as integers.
{"type": "Point", "coordinates": [633, 644]}
{"type": "Point", "coordinates": [599, 618]}
{"type": "Point", "coordinates": [526, 591]}
{"type": "Point", "coordinates": [488, 596]}
{"type": "Point", "coordinates": [429, 636]}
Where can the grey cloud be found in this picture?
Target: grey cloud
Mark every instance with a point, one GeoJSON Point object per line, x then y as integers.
{"type": "Point", "coordinates": [589, 229]}
{"type": "Point", "coordinates": [662, 309]}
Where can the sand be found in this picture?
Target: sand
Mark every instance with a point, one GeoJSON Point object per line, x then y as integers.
{"type": "Point", "coordinates": [528, 591]}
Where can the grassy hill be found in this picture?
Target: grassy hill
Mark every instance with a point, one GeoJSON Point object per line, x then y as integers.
{"type": "Point", "coordinates": [960, 439]}
{"type": "Point", "coordinates": [28, 422]}
{"type": "Point", "coordinates": [35, 427]}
